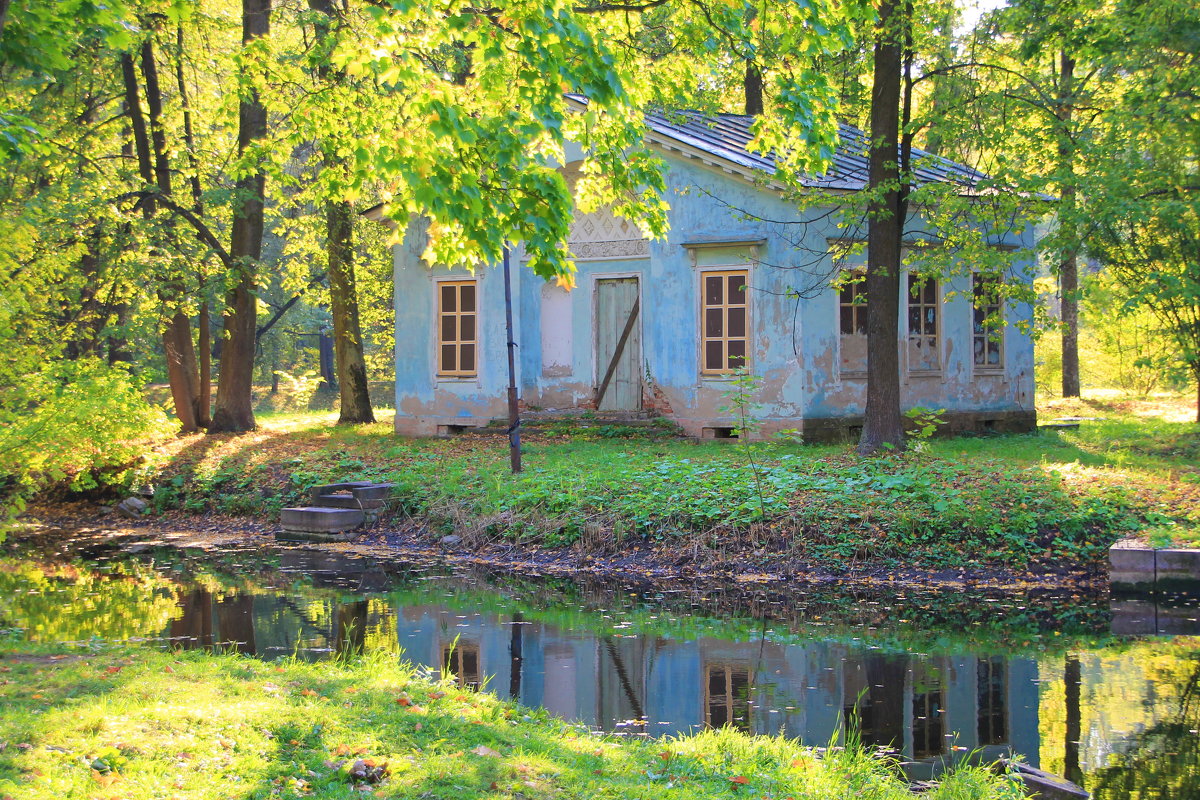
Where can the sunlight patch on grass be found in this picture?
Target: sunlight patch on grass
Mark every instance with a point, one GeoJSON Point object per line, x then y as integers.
{"type": "Point", "coordinates": [143, 724]}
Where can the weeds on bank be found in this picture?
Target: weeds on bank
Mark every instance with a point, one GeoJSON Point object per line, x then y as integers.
{"type": "Point", "coordinates": [137, 723]}
{"type": "Point", "coordinates": [1000, 499]}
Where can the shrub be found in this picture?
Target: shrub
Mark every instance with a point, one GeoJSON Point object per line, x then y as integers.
{"type": "Point", "coordinates": [81, 423]}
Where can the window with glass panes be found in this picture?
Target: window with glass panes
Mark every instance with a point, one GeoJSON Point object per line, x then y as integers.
{"type": "Point", "coordinates": [723, 321]}
{"type": "Point", "coordinates": [986, 333]}
{"type": "Point", "coordinates": [457, 329]}
{"type": "Point", "coordinates": [461, 659]}
{"type": "Point", "coordinates": [923, 324]}
{"type": "Point", "coordinates": [853, 304]}
{"type": "Point", "coordinates": [727, 696]}
{"type": "Point", "coordinates": [993, 690]}
{"type": "Point", "coordinates": [929, 722]}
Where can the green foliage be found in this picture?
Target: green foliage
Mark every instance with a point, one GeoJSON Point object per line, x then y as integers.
{"type": "Point", "coordinates": [295, 391]}
{"type": "Point", "coordinates": [1123, 344]}
{"type": "Point", "coordinates": [1000, 500]}
{"type": "Point", "coordinates": [925, 422]}
{"type": "Point", "coordinates": [82, 424]}
{"type": "Point", "coordinates": [289, 728]}
{"type": "Point", "coordinates": [54, 604]}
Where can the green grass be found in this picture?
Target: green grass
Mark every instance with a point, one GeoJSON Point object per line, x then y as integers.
{"type": "Point", "coordinates": [1001, 500]}
{"type": "Point", "coordinates": [139, 723]}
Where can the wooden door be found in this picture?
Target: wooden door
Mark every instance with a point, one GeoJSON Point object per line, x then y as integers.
{"type": "Point", "coordinates": [618, 345]}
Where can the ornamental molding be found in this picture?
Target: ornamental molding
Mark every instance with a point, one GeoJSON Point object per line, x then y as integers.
{"type": "Point", "coordinates": [593, 251]}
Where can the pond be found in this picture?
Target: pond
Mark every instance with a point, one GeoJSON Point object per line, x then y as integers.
{"type": "Point", "coordinates": [1105, 691]}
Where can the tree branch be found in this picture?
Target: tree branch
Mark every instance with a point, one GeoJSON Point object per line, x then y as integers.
{"type": "Point", "coordinates": [266, 326]}
{"type": "Point", "coordinates": [202, 230]}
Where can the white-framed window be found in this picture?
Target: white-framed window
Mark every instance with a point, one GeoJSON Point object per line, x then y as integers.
{"type": "Point", "coordinates": [924, 324]}
{"type": "Point", "coordinates": [724, 320]}
{"type": "Point", "coordinates": [852, 322]}
{"type": "Point", "coordinates": [457, 328]}
{"type": "Point", "coordinates": [987, 325]}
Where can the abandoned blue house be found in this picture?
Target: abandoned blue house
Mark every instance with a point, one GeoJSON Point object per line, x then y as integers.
{"type": "Point", "coordinates": [659, 327]}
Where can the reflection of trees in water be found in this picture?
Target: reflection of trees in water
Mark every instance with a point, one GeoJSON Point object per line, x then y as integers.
{"type": "Point", "coordinates": [235, 621]}
{"type": "Point", "coordinates": [1164, 760]}
{"type": "Point", "coordinates": [73, 602]}
{"type": "Point", "coordinates": [351, 632]}
{"type": "Point", "coordinates": [874, 699]}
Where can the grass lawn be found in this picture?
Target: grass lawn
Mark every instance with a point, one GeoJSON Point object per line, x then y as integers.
{"type": "Point", "coordinates": [140, 723]}
{"type": "Point", "coordinates": [1011, 501]}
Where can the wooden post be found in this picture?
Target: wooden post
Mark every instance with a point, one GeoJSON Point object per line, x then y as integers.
{"type": "Point", "coordinates": [514, 415]}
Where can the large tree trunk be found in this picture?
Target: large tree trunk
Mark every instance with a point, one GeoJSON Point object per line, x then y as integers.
{"type": "Point", "coordinates": [883, 424]}
{"type": "Point", "coordinates": [351, 368]}
{"type": "Point", "coordinates": [347, 332]}
{"type": "Point", "coordinates": [205, 345]}
{"type": "Point", "coordinates": [235, 407]}
{"type": "Point", "coordinates": [204, 404]}
{"type": "Point", "coordinates": [178, 376]}
{"type": "Point", "coordinates": [180, 354]}
{"type": "Point", "coordinates": [3, 15]}
{"type": "Point", "coordinates": [1068, 280]}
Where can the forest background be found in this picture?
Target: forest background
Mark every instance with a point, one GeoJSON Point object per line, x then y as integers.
{"type": "Point", "coordinates": [183, 179]}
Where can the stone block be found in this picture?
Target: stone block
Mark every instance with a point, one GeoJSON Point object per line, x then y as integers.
{"type": "Point", "coordinates": [345, 501]}
{"type": "Point", "coordinates": [314, 536]}
{"type": "Point", "coordinates": [309, 519]}
{"type": "Point", "coordinates": [1134, 617]}
{"type": "Point", "coordinates": [376, 491]}
{"type": "Point", "coordinates": [1045, 786]}
{"type": "Point", "coordinates": [1178, 565]}
{"type": "Point", "coordinates": [131, 507]}
{"type": "Point", "coordinates": [1131, 566]}
{"type": "Point", "coordinates": [333, 488]}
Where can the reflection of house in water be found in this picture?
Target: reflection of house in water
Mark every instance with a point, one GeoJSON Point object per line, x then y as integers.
{"type": "Point", "coordinates": [928, 709]}
{"type": "Point", "coordinates": [461, 659]}
{"type": "Point", "coordinates": [925, 708]}
{"type": "Point", "coordinates": [727, 696]}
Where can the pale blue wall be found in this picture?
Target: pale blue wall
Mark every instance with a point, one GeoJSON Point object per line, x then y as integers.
{"type": "Point", "coordinates": [794, 345]}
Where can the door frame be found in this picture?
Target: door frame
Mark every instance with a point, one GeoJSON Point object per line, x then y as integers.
{"type": "Point", "coordinates": [595, 325]}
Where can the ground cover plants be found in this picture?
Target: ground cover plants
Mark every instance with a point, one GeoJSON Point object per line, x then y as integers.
{"type": "Point", "coordinates": [1013, 501]}
{"type": "Point", "coordinates": [141, 723]}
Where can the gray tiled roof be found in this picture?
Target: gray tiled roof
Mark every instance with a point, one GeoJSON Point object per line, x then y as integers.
{"type": "Point", "coordinates": [726, 136]}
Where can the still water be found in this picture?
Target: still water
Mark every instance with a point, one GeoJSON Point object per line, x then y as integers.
{"type": "Point", "coordinates": [1105, 691]}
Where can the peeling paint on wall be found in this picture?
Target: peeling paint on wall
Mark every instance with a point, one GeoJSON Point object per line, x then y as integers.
{"type": "Point", "coordinates": [812, 376]}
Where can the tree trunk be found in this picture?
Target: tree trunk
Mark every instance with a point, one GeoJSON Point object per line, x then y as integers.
{"type": "Point", "coordinates": [235, 407]}
{"type": "Point", "coordinates": [1068, 281]}
{"type": "Point", "coordinates": [3, 15]}
{"type": "Point", "coordinates": [347, 332]}
{"type": "Point", "coordinates": [1072, 678]}
{"type": "Point", "coordinates": [883, 425]}
{"type": "Point", "coordinates": [179, 377]}
{"type": "Point", "coordinates": [1068, 285]}
{"type": "Point", "coordinates": [182, 371]}
{"type": "Point", "coordinates": [753, 87]}
{"type": "Point", "coordinates": [205, 345]}
{"type": "Point", "coordinates": [351, 368]}
{"type": "Point", "coordinates": [325, 361]}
